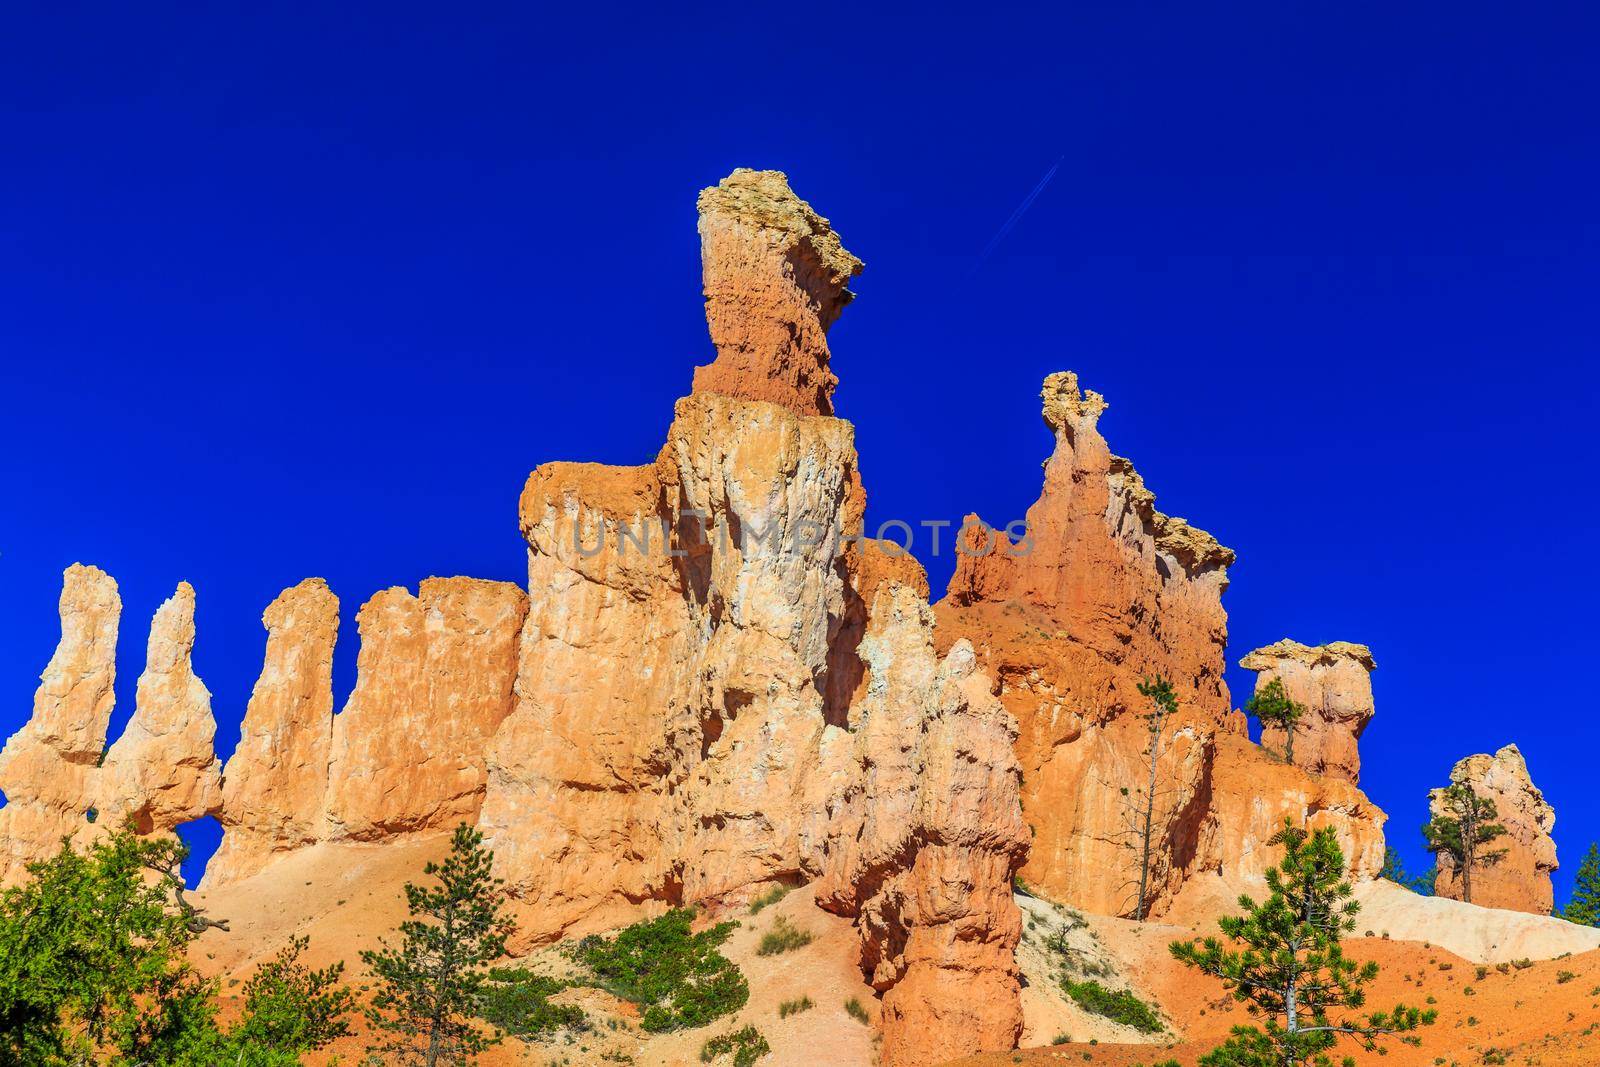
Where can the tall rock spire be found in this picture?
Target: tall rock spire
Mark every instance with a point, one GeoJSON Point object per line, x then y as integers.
{"type": "Point", "coordinates": [775, 276]}
{"type": "Point", "coordinates": [47, 768]}
{"type": "Point", "coordinates": [274, 785]}
{"type": "Point", "coordinates": [163, 770]}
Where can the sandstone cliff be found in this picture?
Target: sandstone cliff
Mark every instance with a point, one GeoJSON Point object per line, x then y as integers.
{"type": "Point", "coordinates": [717, 690]}
{"type": "Point", "coordinates": [1104, 591]}
{"type": "Point", "coordinates": [1520, 880]}
{"type": "Point", "coordinates": [1333, 682]}
{"type": "Point", "coordinates": [406, 754]}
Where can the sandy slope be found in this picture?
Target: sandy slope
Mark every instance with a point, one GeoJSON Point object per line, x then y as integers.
{"type": "Point", "coordinates": [1544, 1013]}
{"type": "Point", "coordinates": [343, 896]}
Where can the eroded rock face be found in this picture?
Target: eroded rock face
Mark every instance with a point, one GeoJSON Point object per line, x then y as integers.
{"type": "Point", "coordinates": [406, 754]}
{"type": "Point", "coordinates": [47, 768]}
{"type": "Point", "coordinates": [1105, 591]}
{"type": "Point", "coordinates": [716, 692]}
{"type": "Point", "coordinates": [163, 771]}
{"type": "Point", "coordinates": [275, 783]}
{"type": "Point", "coordinates": [433, 684]}
{"type": "Point", "coordinates": [1333, 682]}
{"type": "Point", "coordinates": [1520, 880]}
{"type": "Point", "coordinates": [1253, 791]}
{"type": "Point", "coordinates": [775, 276]}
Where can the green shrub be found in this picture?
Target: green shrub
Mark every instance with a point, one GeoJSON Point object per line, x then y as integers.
{"type": "Point", "coordinates": [794, 1007]}
{"type": "Point", "coordinates": [769, 898]}
{"type": "Point", "coordinates": [1061, 1039]}
{"type": "Point", "coordinates": [677, 976]}
{"type": "Point", "coordinates": [517, 1001]}
{"type": "Point", "coordinates": [853, 1008]}
{"type": "Point", "coordinates": [1118, 1005]}
{"type": "Point", "coordinates": [747, 1046]}
{"type": "Point", "coordinates": [783, 937]}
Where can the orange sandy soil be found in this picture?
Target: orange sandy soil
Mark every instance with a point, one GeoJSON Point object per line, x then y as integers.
{"type": "Point", "coordinates": [1530, 1014]}
{"type": "Point", "coordinates": [343, 896]}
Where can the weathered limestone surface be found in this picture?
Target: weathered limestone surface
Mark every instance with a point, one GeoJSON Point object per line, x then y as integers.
{"type": "Point", "coordinates": [47, 768]}
{"type": "Point", "coordinates": [1520, 880]}
{"type": "Point", "coordinates": [1333, 682]}
{"type": "Point", "coordinates": [1104, 591]}
{"type": "Point", "coordinates": [163, 771]}
{"type": "Point", "coordinates": [433, 684]}
{"type": "Point", "coordinates": [715, 692]}
{"type": "Point", "coordinates": [274, 785]}
{"type": "Point", "coordinates": [775, 276]}
{"type": "Point", "coordinates": [407, 753]}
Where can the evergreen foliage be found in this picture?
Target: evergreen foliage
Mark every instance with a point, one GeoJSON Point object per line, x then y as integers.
{"type": "Point", "coordinates": [517, 1002]}
{"type": "Point", "coordinates": [1290, 969]}
{"type": "Point", "coordinates": [93, 970]}
{"type": "Point", "coordinates": [431, 985]}
{"type": "Point", "coordinates": [676, 975]}
{"type": "Point", "coordinates": [1463, 831]}
{"type": "Point", "coordinates": [1394, 870]}
{"type": "Point", "coordinates": [1584, 907]}
{"type": "Point", "coordinates": [1163, 706]}
{"type": "Point", "coordinates": [1118, 1005]}
{"type": "Point", "coordinates": [1272, 707]}
{"type": "Point", "coordinates": [747, 1045]}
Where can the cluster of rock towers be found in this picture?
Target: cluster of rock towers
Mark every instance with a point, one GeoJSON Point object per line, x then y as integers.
{"type": "Point", "coordinates": [694, 724]}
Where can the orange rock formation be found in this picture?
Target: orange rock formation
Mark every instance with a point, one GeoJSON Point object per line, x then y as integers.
{"type": "Point", "coordinates": [716, 685]}
{"type": "Point", "coordinates": [1103, 592]}
{"type": "Point", "coordinates": [48, 767]}
{"type": "Point", "coordinates": [718, 690]}
{"type": "Point", "coordinates": [1520, 880]}
{"type": "Point", "coordinates": [1333, 683]}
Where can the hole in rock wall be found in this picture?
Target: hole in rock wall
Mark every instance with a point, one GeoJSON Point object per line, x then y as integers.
{"type": "Point", "coordinates": [203, 836]}
{"type": "Point", "coordinates": [3, 800]}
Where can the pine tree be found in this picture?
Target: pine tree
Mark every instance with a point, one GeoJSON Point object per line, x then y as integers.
{"type": "Point", "coordinates": [1290, 969]}
{"type": "Point", "coordinates": [1272, 707]}
{"type": "Point", "coordinates": [1163, 705]}
{"type": "Point", "coordinates": [1462, 832]}
{"type": "Point", "coordinates": [1584, 907]}
{"type": "Point", "coordinates": [430, 984]}
{"type": "Point", "coordinates": [92, 964]}
{"type": "Point", "coordinates": [1394, 870]}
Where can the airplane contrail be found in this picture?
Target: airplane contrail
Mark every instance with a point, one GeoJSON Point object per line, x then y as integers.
{"type": "Point", "coordinates": [1027, 202]}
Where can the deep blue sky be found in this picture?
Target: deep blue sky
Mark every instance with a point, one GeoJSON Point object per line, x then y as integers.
{"type": "Point", "coordinates": [300, 292]}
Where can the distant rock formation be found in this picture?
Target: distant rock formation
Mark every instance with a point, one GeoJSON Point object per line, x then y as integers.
{"type": "Point", "coordinates": [1333, 682]}
{"type": "Point", "coordinates": [1519, 881]}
